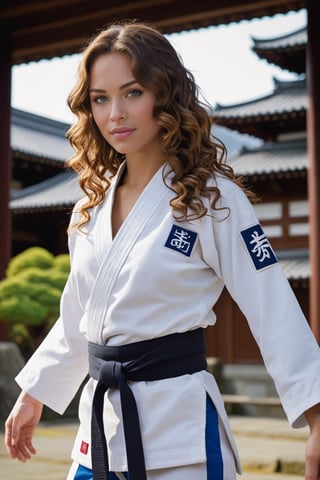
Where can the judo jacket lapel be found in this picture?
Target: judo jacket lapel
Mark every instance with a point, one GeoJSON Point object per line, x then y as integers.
{"type": "Point", "coordinates": [150, 200]}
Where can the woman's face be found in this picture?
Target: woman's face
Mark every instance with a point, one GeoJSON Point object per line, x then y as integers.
{"type": "Point", "coordinates": [122, 108]}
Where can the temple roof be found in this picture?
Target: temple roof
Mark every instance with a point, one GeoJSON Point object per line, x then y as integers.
{"type": "Point", "coordinates": [39, 138]}
{"type": "Point", "coordinates": [56, 193]}
{"type": "Point", "coordinates": [284, 110]}
{"type": "Point", "coordinates": [287, 51]}
{"type": "Point", "coordinates": [280, 159]}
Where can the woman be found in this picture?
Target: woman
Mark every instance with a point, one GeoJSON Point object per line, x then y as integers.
{"type": "Point", "coordinates": [163, 227]}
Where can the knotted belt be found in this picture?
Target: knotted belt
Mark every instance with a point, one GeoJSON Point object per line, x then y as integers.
{"type": "Point", "coordinates": [155, 359]}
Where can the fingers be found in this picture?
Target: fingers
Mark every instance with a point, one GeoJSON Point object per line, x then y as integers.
{"type": "Point", "coordinates": [8, 439]}
{"type": "Point", "coordinates": [22, 452]}
{"type": "Point", "coordinates": [30, 446]}
{"type": "Point", "coordinates": [18, 440]}
{"type": "Point", "coordinates": [20, 427]}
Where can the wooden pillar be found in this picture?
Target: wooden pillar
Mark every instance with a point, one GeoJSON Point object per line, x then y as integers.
{"type": "Point", "coordinates": [313, 136]}
{"type": "Point", "coordinates": [5, 150]}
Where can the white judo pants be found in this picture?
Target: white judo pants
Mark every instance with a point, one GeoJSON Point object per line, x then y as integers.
{"type": "Point", "coordinates": [189, 472]}
{"type": "Point", "coordinates": [220, 463]}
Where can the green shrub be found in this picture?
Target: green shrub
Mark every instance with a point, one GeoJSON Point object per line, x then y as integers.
{"type": "Point", "coordinates": [62, 263]}
{"type": "Point", "coordinates": [32, 257]}
{"type": "Point", "coordinates": [30, 295]}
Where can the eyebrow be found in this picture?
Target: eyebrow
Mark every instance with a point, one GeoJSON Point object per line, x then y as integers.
{"type": "Point", "coordinates": [122, 87]}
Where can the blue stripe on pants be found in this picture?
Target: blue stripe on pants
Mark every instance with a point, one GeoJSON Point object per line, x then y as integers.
{"type": "Point", "coordinates": [213, 449]}
{"type": "Point", "coordinates": [83, 473]}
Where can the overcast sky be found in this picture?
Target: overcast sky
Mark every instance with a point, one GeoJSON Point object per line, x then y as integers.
{"type": "Point", "coordinates": [221, 59]}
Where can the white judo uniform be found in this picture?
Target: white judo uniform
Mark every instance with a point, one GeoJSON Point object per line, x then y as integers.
{"type": "Point", "coordinates": [157, 277]}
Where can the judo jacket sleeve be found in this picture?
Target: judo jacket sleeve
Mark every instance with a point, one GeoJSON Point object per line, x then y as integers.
{"type": "Point", "coordinates": [245, 260]}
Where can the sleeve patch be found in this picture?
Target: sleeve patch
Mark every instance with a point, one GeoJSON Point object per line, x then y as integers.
{"type": "Point", "coordinates": [258, 247]}
{"type": "Point", "coordinates": [181, 240]}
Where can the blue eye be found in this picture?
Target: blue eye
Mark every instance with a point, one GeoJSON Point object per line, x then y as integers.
{"type": "Point", "coordinates": [134, 93]}
{"type": "Point", "coordinates": [100, 99]}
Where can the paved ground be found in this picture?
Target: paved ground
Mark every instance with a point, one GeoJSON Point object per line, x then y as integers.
{"type": "Point", "coordinates": [266, 446]}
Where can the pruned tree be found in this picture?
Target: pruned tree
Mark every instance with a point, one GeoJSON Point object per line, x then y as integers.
{"type": "Point", "coordinates": [30, 295]}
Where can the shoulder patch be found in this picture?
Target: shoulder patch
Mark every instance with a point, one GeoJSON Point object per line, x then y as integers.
{"type": "Point", "coordinates": [258, 247]}
{"type": "Point", "coordinates": [181, 240]}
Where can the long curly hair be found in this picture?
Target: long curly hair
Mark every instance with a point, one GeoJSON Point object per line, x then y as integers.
{"type": "Point", "coordinates": [194, 155]}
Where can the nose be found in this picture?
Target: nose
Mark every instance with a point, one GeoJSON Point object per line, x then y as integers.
{"type": "Point", "coordinates": [117, 111]}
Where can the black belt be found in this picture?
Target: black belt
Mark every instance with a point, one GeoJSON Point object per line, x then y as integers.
{"type": "Point", "coordinates": [156, 359]}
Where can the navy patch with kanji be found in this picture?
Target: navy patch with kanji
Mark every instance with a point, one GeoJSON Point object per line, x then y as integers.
{"type": "Point", "coordinates": [181, 240]}
{"type": "Point", "coordinates": [258, 247]}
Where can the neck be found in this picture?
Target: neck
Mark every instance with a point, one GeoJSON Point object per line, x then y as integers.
{"type": "Point", "coordinates": [139, 173]}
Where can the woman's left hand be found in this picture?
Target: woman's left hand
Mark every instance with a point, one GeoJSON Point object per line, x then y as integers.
{"type": "Point", "coordinates": [313, 444]}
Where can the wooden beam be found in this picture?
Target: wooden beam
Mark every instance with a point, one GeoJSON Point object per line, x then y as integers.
{"type": "Point", "coordinates": [46, 29]}
{"type": "Point", "coordinates": [313, 129]}
{"type": "Point", "coordinates": [5, 153]}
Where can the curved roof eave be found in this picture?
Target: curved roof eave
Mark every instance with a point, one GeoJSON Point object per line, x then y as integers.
{"type": "Point", "coordinates": [298, 37]}
{"type": "Point", "coordinates": [58, 192]}
{"type": "Point", "coordinates": [288, 96]}
{"type": "Point", "coordinates": [286, 158]}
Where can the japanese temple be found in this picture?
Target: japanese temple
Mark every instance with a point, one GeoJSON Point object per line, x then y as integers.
{"type": "Point", "coordinates": [272, 156]}
{"type": "Point", "coordinates": [34, 30]}
{"type": "Point", "coordinates": [42, 190]}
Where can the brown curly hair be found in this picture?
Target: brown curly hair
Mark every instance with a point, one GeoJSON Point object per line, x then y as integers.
{"type": "Point", "coordinates": [193, 154]}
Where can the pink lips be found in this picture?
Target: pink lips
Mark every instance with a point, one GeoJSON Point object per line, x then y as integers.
{"type": "Point", "coordinates": [122, 132]}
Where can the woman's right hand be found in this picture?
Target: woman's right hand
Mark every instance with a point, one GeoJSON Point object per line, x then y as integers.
{"type": "Point", "coordinates": [20, 427]}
